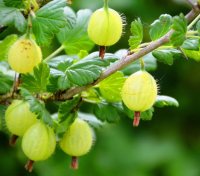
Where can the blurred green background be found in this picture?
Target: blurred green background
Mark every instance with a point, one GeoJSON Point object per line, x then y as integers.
{"type": "Point", "coordinates": [169, 145]}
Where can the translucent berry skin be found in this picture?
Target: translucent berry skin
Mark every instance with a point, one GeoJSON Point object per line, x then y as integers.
{"type": "Point", "coordinates": [19, 118]}
{"type": "Point", "coordinates": [105, 27]}
{"type": "Point", "coordinates": [139, 91]}
{"type": "Point", "coordinates": [39, 142]}
{"type": "Point", "coordinates": [78, 139]}
{"type": "Point", "coordinates": [24, 55]}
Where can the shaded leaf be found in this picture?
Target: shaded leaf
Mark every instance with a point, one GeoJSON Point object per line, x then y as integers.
{"type": "Point", "coordinates": [137, 34]}
{"type": "Point", "coordinates": [163, 101]}
{"type": "Point", "coordinates": [160, 27]}
{"type": "Point", "coordinates": [48, 21]}
{"type": "Point", "coordinates": [6, 83]}
{"type": "Point", "coordinates": [167, 56]}
{"type": "Point", "coordinates": [88, 69]}
{"type": "Point", "coordinates": [67, 107]}
{"type": "Point", "coordinates": [150, 64]}
{"type": "Point", "coordinates": [191, 44]}
{"type": "Point", "coordinates": [110, 88]}
{"type": "Point", "coordinates": [180, 28]}
{"type": "Point", "coordinates": [74, 37]}
{"type": "Point", "coordinates": [12, 16]}
{"type": "Point", "coordinates": [37, 81]}
{"type": "Point", "coordinates": [106, 112]}
{"type": "Point", "coordinates": [37, 107]}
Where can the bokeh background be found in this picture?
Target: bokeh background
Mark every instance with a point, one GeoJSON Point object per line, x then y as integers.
{"type": "Point", "coordinates": [169, 145]}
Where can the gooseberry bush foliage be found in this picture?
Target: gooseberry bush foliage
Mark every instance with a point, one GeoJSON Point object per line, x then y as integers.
{"type": "Point", "coordinates": [49, 71]}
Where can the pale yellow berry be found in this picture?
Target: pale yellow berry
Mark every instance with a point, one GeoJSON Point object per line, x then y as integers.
{"type": "Point", "coordinates": [19, 118]}
{"type": "Point", "coordinates": [139, 91]}
{"type": "Point", "coordinates": [77, 140]}
{"type": "Point", "coordinates": [24, 55]}
{"type": "Point", "coordinates": [39, 142]}
{"type": "Point", "coordinates": [105, 27]}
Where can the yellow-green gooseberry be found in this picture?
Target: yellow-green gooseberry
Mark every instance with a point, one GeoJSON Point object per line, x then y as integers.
{"type": "Point", "coordinates": [19, 118]}
{"type": "Point", "coordinates": [105, 27]}
{"type": "Point", "coordinates": [139, 93]}
{"type": "Point", "coordinates": [38, 143]}
{"type": "Point", "coordinates": [77, 140]}
{"type": "Point", "coordinates": [24, 55]}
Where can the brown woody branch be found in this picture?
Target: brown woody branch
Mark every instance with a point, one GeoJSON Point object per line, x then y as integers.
{"type": "Point", "coordinates": [130, 58]}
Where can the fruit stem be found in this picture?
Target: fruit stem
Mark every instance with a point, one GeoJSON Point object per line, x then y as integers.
{"type": "Point", "coordinates": [74, 162]}
{"type": "Point", "coordinates": [13, 140]}
{"type": "Point", "coordinates": [142, 64]}
{"type": "Point", "coordinates": [136, 120]}
{"type": "Point", "coordinates": [102, 51]}
{"type": "Point", "coordinates": [29, 26]}
{"type": "Point", "coordinates": [54, 53]}
{"type": "Point", "coordinates": [106, 5]}
{"type": "Point", "coordinates": [29, 165]}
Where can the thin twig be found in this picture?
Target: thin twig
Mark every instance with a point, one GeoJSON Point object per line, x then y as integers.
{"type": "Point", "coordinates": [193, 4]}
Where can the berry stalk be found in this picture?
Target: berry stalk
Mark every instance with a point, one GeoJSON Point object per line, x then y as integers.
{"type": "Point", "coordinates": [13, 140]}
{"type": "Point", "coordinates": [74, 162]}
{"type": "Point", "coordinates": [29, 165]}
{"type": "Point", "coordinates": [136, 120]}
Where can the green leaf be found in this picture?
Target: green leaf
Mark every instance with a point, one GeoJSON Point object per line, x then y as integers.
{"type": "Point", "coordinates": [91, 96]}
{"type": "Point", "coordinates": [12, 16]}
{"type": "Point", "coordinates": [146, 115]}
{"type": "Point", "coordinates": [163, 101]}
{"type": "Point", "coordinates": [137, 34]}
{"type": "Point", "coordinates": [91, 119]}
{"type": "Point", "coordinates": [61, 62]}
{"type": "Point", "coordinates": [68, 107]}
{"type": "Point", "coordinates": [37, 107]}
{"type": "Point", "coordinates": [195, 55]}
{"type": "Point", "coordinates": [37, 81]}
{"type": "Point", "coordinates": [5, 45]}
{"type": "Point", "coordinates": [88, 69]}
{"type": "Point", "coordinates": [160, 27]}
{"type": "Point", "coordinates": [14, 3]}
{"type": "Point", "coordinates": [167, 56]}
{"type": "Point", "coordinates": [180, 28]}
{"type": "Point", "coordinates": [3, 126]}
{"type": "Point", "coordinates": [64, 125]}
{"type": "Point", "coordinates": [74, 37]}
{"type": "Point", "coordinates": [110, 88]}
{"type": "Point", "coordinates": [150, 64]}
{"type": "Point", "coordinates": [6, 83]}
{"type": "Point", "coordinates": [191, 44]}
{"type": "Point", "coordinates": [106, 112]}
{"type": "Point", "coordinates": [48, 21]}
{"type": "Point", "coordinates": [198, 26]}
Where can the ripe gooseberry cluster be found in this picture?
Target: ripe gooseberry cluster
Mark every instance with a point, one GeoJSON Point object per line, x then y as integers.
{"type": "Point", "coordinates": [139, 93]}
{"type": "Point", "coordinates": [39, 140]}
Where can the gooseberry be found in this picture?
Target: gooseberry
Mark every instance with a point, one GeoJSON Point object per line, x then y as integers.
{"type": "Point", "coordinates": [105, 27]}
{"type": "Point", "coordinates": [19, 118]}
{"type": "Point", "coordinates": [38, 143]}
{"type": "Point", "coordinates": [77, 140]}
{"type": "Point", "coordinates": [139, 93]}
{"type": "Point", "coordinates": [24, 55]}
